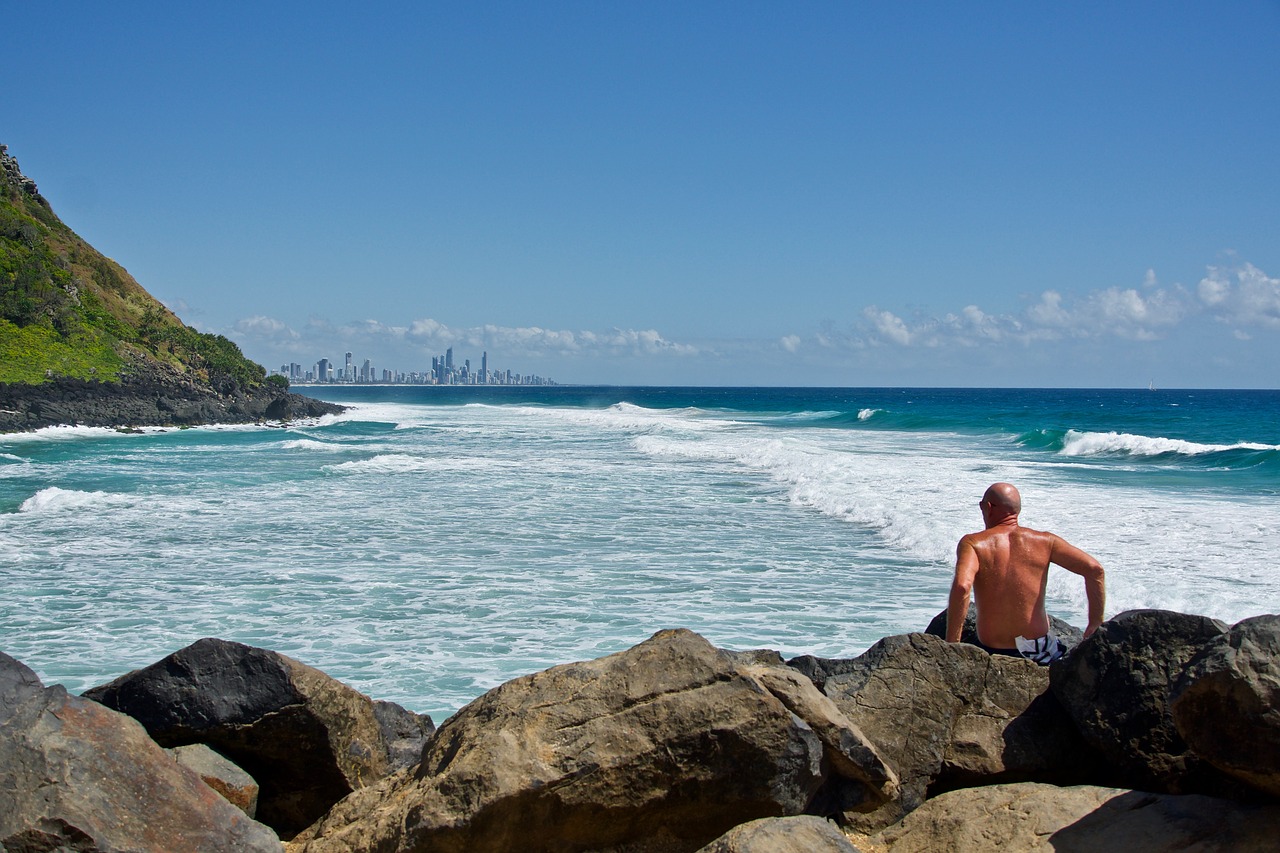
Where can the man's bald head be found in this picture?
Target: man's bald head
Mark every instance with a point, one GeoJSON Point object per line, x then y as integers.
{"type": "Point", "coordinates": [1003, 496]}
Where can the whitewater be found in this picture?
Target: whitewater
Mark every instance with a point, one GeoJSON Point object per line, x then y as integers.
{"type": "Point", "coordinates": [431, 543]}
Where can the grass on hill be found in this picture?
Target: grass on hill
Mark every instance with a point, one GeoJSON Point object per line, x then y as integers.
{"type": "Point", "coordinates": [66, 310]}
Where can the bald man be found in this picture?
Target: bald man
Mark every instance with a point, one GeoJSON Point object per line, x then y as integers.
{"type": "Point", "coordinates": [1006, 567]}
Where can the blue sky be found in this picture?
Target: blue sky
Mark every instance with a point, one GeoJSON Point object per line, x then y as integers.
{"type": "Point", "coordinates": [673, 193]}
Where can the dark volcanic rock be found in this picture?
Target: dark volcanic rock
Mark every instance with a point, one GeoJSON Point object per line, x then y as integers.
{"type": "Point", "coordinates": [1069, 635]}
{"type": "Point", "coordinates": [307, 739]}
{"type": "Point", "coordinates": [662, 747]}
{"type": "Point", "coordinates": [404, 732]}
{"type": "Point", "coordinates": [1226, 704]}
{"type": "Point", "coordinates": [77, 776]}
{"type": "Point", "coordinates": [150, 395]}
{"type": "Point", "coordinates": [949, 715]}
{"type": "Point", "coordinates": [1115, 686]}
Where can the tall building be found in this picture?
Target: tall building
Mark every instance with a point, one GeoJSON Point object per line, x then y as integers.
{"type": "Point", "coordinates": [322, 370]}
{"type": "Point", "coordinates": [484, 367]}
{"type": "Point", "coordinates": [448, 359]}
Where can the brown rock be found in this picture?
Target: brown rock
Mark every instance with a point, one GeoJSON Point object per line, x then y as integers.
{"type": "Point", "coordinates": [659, 748]}
{"type": "Point", "coordinates": [1037, 818]}
{"type": "Point", "coordinates": [800, 834]}
{"type": "Point", "coordinates": [1226, 704]}
{"type": "Point", "coordinates": [78, 776]}
{"type": "Point", "coordinates": [220, 774]}
{"type": "Point", "coordinates": [949, 715]}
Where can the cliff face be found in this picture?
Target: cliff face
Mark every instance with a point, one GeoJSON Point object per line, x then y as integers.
{"type": "Point", "coordinates": [82, 342]}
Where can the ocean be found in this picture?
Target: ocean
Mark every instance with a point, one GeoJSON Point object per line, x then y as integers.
{"type": "Point", "coordinates": [431, 543]}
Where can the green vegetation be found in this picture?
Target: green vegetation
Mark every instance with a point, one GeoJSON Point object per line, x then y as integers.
{"type": "Point", "coordinates": [68, 311]}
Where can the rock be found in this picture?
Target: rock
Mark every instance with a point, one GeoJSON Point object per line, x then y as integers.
{"type": "Point", "coordinates": [662, 747]}
{"type": "Point", "coordinates": [947, 715]}
{"type": "Point", "coordinates": [1226, 704]}
{"type": "Point", "coordinates": [1069, 635]}
{"type": "Point", "coordinates": [1038, 818]}
{"type": "Point", "coordinates": [404, 732]}
{"type": "Point", "coordinates": [800, 834]}
{"type": "Point", "coordinates": [78, 776]}
{"type": "Point", "coordinates": [220, 774]}
{"type": "Point", "coordinates": [1115, 686]}
{"type": "Point", "coordinates": [307, 739]}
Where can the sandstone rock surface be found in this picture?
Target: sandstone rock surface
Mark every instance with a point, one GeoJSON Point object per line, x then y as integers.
{"type": "Point", "coordinates": [1226, 704]}
{"type": "Point", "coordinates": [662, 747]}
{"type": "Point", "coordinates": [947, 715]}
{"type": "Point", "coordinates": [1038, 818]}
{"type": "Point", "coordinates": [76, 776]}
{"type": "Point", "coordinates": [220, 774]}
{"type": "Point", "coordinates": [307, 739]}
{"type": "Point", "coordinates": [1116, 686]}
{"type": "Point", "coordinates": [800, 834]}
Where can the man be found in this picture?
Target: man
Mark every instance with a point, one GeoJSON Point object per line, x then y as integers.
{"type": "Point", "coordinates": [1006, 566]}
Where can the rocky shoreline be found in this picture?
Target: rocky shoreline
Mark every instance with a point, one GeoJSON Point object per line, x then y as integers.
{"type": "Point", "coordinates": [1161, 732]}
{"type": "Point", "coordinates": [150, 395]}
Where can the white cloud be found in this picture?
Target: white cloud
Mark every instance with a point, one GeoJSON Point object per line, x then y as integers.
{"type": "Point", "coordinates": [1242, 295]}
{"type": "Point", "coordinates": [790, 343]}
{"type": "Point", "coordinates": [265, 328]}
{"type": "Point", "coordinates": [888, 326]}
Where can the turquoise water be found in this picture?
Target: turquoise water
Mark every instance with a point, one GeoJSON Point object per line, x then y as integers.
{"type": "Point", "coordinates": [434, 542]}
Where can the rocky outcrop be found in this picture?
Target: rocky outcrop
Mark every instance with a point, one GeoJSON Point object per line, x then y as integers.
{"type": "Point", "coordinates": [800, 834]}
{"type": "Point", "coordinates": [307, 739]}
{"type": "Point", "coordinates": [949, 715]}
{"type": "Point", "coordinates": [1226, 703]}
{"type": "Point", "coordinates": [662, 747]}
{"type": "Point", "coordinates": [1038, 818]}
{"type": "Point", "coordinates": [1116, 685]}
{"type": "Point", "coordinates": [78, 776]}
{"type": "Point", "coordinates": [404, 732]}
{"type": "Point", "coordinates": [149, 395]}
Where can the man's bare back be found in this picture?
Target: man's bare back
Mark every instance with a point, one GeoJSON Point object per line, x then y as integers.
{"type": "Point", "coordinates": [1006, 566]}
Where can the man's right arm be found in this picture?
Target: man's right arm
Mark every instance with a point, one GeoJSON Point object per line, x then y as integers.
{"type": "Point", "coordinates": [961, 586]}
{"type": "Point", "coordinates": [1084, 564]}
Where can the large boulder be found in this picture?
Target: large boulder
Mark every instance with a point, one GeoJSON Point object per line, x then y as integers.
{"type": "Point", "coordinates": [1226, 704]}
{"type": "Point", "coordinates": [405, 733]}
{"type": "Point", "coordinates": [949, 715]}
{"type": "Point", "coordinates": [1116, 685]}
{"type": "Point", "coordinates": [78, 776]}
{"type": "Point", "coordinates": [220, 774]}
{"type": "Point", "coordinates": [799, 834]}
{"type": "Point", "coordinates": [306, 738]}
{"type": "Point", "coordinates": [1038, 818]}
{"type": "Point", "coordinates": [662, 747]}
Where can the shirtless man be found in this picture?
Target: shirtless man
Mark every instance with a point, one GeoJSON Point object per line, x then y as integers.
{"type": "Point", "coordinates": [1006, 566]}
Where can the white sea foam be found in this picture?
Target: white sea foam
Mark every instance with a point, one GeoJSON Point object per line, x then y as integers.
{"type": "Point", "coordinates": [312, 444]}
{"type": "Point", "coordinates": [1076, 443]}
{"type": "Point", "coordinates": [867, 414]}
{"type": "Point", "coordinates": [54, 499]}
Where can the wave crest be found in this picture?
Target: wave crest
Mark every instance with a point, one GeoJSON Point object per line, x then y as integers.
{"type": "Point", "coordinates": [1076, 443]}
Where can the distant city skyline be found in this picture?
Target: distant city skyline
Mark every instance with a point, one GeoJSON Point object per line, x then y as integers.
{"type": "Point", "coordinates": [443, 372]}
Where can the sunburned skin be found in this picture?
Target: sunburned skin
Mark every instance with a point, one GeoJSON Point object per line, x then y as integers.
{"type": "Point", "coordinates": [1006, 567]}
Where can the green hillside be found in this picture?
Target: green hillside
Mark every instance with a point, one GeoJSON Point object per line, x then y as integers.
{"type": "Point", "coordinates": [67, 311]}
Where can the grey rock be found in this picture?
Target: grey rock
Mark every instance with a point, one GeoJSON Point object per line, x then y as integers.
{"type": "Point", "coordinates": [947, 715]}
{"type": "Point", "coordinates": [307, 739]}
{"type": "Point", "coordinates": [1115, 686]}
{"type": "Point", "coordinates": [405, 733]}
{"type": "Point", "coordinates": [1226, 703]}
